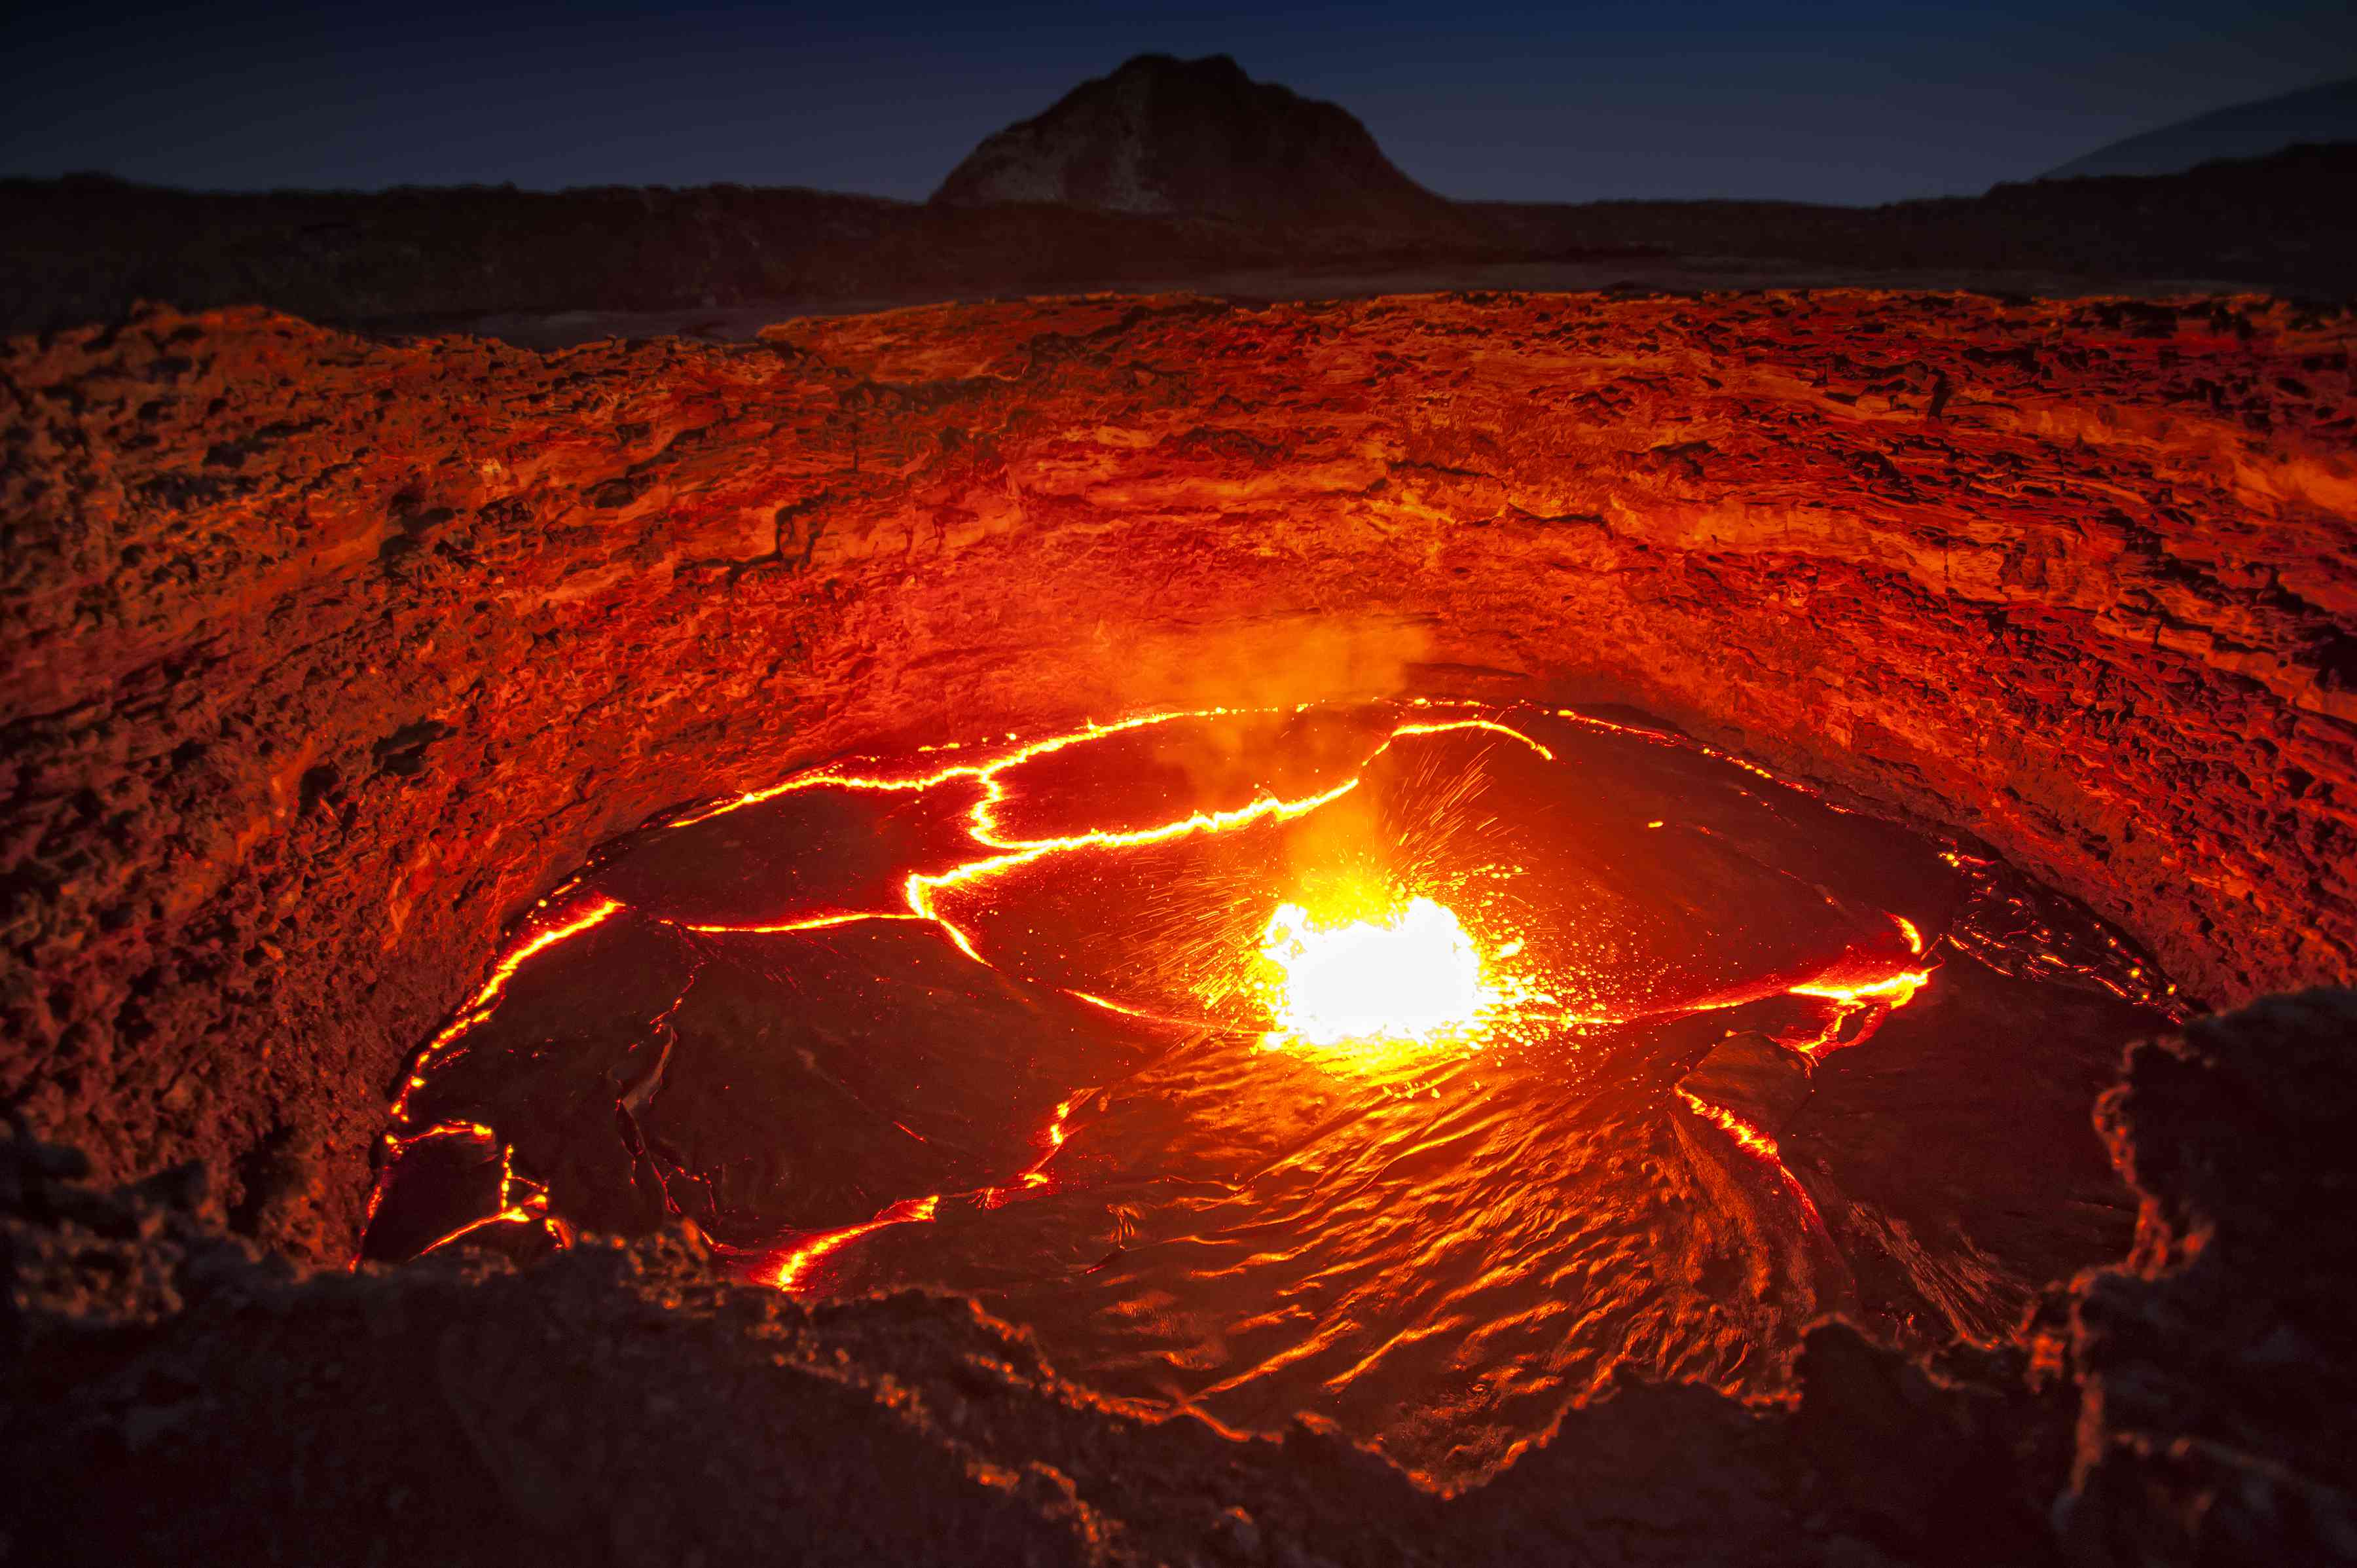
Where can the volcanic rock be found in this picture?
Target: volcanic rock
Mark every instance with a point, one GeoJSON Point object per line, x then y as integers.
{"type": "Point", "coordinates": [329, 656]}
{"type": "Point", "coordinates": [178, 1396]}
{"type": "Point", "coordinates": [1753, 1077]}
{"type": "Point", "coordinates": [1198, 137]}
{"type": "Point", "coordinates": [2220, 1361]}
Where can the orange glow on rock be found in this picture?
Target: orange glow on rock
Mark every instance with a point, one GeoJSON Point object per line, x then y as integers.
{"type": "Point", "coordinates": [795, 1266]}
{"type": "Point", "coordinates": [480, 1006]}
{"type": "Point", "coordinates": [1749, 1138]}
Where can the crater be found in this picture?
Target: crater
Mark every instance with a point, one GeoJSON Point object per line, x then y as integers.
{"type": "Point", "coordinates": [1415, 1064]}
{"type": "Point", "coordinates": [1546, 884]}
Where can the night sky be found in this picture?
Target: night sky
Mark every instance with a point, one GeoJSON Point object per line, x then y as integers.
{"type": "Point", "coordinates": [1837, 102]}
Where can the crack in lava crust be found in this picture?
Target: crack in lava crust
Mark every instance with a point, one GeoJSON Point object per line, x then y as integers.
{"type": "Point", "coordinates": [1303, 985]}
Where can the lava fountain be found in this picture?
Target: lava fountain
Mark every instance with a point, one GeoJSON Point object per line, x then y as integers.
{"type": "Point", "coordinates": [1412, 976]}
{"type": "Point", "coordinates": [1414, 1063]}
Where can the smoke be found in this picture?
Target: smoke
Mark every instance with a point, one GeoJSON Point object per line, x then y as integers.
{"type": "Point", "coordinates": [1276, 662]}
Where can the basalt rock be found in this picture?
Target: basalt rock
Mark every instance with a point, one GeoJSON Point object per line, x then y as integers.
{"type": "Point", "coordinates": [2220, 1360]}
{"type": "Point", "coordinates": [328, 657]}
{"type": "Point", "coordinates": [1754, 1077]}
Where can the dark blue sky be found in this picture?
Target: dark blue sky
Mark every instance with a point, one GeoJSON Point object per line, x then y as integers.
{"type": "Point", "coordinates": [1836, 102]}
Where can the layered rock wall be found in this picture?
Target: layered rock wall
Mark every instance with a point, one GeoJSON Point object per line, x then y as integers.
{"type": "Point", "coordinates": [328, 658]}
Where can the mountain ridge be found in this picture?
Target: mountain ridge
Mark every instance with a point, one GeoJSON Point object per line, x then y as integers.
{"type": "Point", "coordinates": [1166, 137]}
{"type": "Point", "coordinates": [2322, 116]}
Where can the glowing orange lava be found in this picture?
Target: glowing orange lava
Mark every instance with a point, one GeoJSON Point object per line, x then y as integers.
{"type": "Point", "coordinates": [482, 1003]}
{"type": "Point", "coordinates": [522, 1202]}
{"type": "Point", "coordinates": [797, 1264]}
{"type": "Point", "coordinates": [1887, 994]}
{"type": "Point", "coordinates": [1411, 976]}
{"type": "Point", "coordinates": [1897, 990]}
{"type": "Point", "coordinates": [1356, 977]}
{"type": "Point", "coordinates": [920, 891]}
{"type": "Point", "coordinates": [1749, 1138]}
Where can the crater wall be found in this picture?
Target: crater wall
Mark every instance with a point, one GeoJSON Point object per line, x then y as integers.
{"type": "Point", "coordinates": [328, 657]}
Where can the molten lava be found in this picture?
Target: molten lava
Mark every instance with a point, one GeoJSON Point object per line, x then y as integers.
{"type": "Point", "coordinates": [989, 1025]}
{"type": "Point", "coordinates": [1411, 976]}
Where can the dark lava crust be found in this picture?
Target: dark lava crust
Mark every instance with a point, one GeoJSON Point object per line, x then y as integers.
{"type": "Point", "coordinates": [178, 1396]}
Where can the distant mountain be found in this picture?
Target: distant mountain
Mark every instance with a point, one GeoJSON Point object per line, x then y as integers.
{"type": "Point", "coordinates": [2317, 115]}
{"type": "Point", "coordinates": [1199, 139]}
{"type": "Point", "coordinates": [85, 249]}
